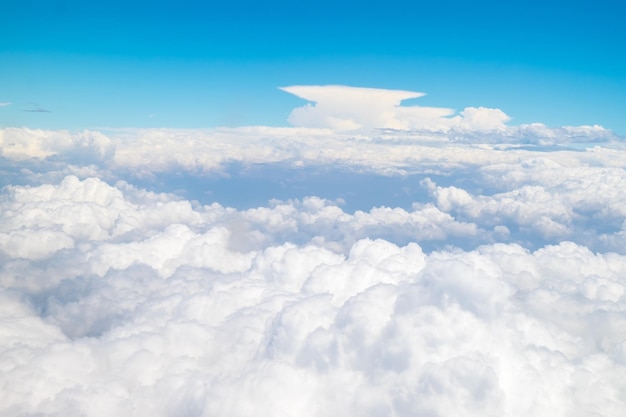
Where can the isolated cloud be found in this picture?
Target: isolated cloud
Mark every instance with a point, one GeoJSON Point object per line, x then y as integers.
{"type": "Point", "coordinates": [158, 305]}
{"type": "Point", "coordinates": [344, 108]}
{"type": "Point", "coordinates": [4, 103]}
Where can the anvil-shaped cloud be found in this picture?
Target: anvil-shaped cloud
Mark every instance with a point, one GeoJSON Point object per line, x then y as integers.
{"type": "Point", "coordinates": [344, 108]}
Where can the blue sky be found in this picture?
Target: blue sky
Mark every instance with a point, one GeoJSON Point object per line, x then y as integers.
{"type": "Point", "coordinates": [70, 64]}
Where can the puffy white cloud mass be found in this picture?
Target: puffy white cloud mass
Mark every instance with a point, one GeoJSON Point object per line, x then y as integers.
{"type": "Point", "coordinates": [344, 108]}
{"type": "Point", "coordinates": [118, 301]}
{"type": "Point", "coordinates": [470, 269]}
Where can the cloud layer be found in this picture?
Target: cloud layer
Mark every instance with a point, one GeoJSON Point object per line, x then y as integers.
{"type": "Point", "coordinates": [146, 151]}
{"type": "Point", "coordinates": [118, 301]}
{"type": "Point", "coordinates": [487, 280]}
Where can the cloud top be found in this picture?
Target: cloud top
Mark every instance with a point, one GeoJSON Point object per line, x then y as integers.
{"type": "Point", "coordinates": [114, 300]}
{"type": "Point", "coordinates": [487, 279]}
{"type": "Point", "coordinates": [344, 108]}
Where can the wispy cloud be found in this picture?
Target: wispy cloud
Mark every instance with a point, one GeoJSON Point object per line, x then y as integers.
{"type": "Point", "coordinates": [5, 103]}
{"type": "Point", "coordinates": [37, 110]}
{"type": "Point", "coordinates": [34, 108]}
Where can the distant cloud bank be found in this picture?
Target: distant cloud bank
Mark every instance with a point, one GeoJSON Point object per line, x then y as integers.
{"type": "Point", "coordinates": [380, 150]}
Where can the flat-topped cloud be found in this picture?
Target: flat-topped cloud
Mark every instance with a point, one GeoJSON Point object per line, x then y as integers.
{"type": "Point", "coordinates": [345, 108]}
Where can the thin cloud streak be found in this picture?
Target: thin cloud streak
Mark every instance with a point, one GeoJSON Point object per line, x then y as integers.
{"type": "Point", "coordinates": [33, 107]}
{"type": "Point", "coordinates": [36, 110]}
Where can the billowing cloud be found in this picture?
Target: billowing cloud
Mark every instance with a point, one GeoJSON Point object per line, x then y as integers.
{"type": "Point", "coordinates": [349, 108]}
{"type": "Point", "coordinates": [147, 302]}
{"type": "Point", "coordinates": [344, 108]}
{"type": "Point", "coordinates": [23, 143]}
{"type": "Point", "coordinates": [480, 271]}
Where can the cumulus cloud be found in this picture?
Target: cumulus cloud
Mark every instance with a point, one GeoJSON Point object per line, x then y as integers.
{"type": "Point", "coordinates": [156, 304]}
{"type": "Point", "coordinates": [494, 288]}
{"type": "Point", "coordinates": [349, 108]}
{"type": "Point", "coordinates": [344, 108]}
{"type": "Point", "coordinates": [24, 143]}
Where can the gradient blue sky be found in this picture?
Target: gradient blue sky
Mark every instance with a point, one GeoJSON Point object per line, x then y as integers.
{"type": "Point", "coordinates": [75, 64]}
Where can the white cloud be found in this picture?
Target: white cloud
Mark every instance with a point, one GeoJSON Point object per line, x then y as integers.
{"type": "Point", "coordinates": [498, 291]}
{"type": "Point", "coordinates": [146, 152]}
{"type": "Point", "coordinates": [344, 108]}
{"type": "Point", "coordinates": [481, 119]}
{"type": "Point", "coordinates": [4, 104]}
{"type": "Point", "coordinates": [164, 306]}
{"type": "Point", "coordinates": [24, 143]}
